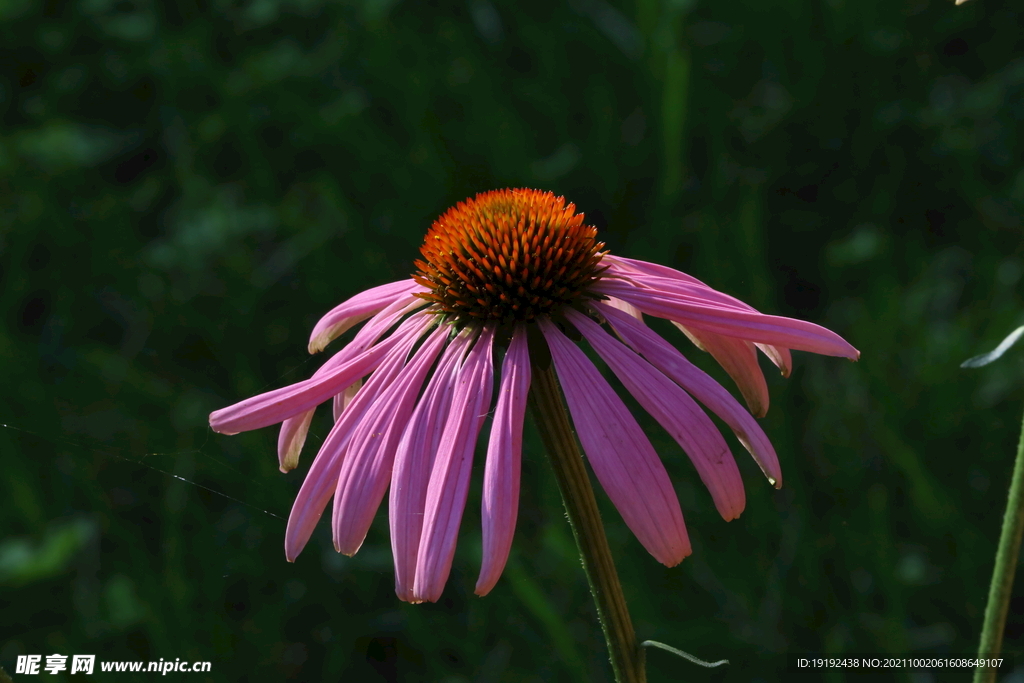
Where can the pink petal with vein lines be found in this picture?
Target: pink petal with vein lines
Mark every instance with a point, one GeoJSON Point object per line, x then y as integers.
{"type": "Point", "coordinates": [277, 405]}
{"type": "Point", "coordinates": [366, 469]}
{"type": "Point", "coordinates": [676, 412]}
{"type": "Point", "coordinates": [322, 478]}
{"type": "Point", "coordinates": [449, 478]}
{"type": "Point", "coordinates": [699, 384]}
{"type": "Point", "coordinates": [685, 286]}
{"type": "Point", "coordinates": [500, 505]}
{"type": "Point", "coordinates": [623, 459]}
{"type": "Point", "coordinates": [355, 310]}
{"type": "Point", "coordinates": [731, 322]}
{"type": "Point", "coordinates": [738, 358]}
{"type": "Point", "coordinates": [414, 460]}
{"type": "Point", "coordinates": [778, 355]}
{"type": "Point", "coordinates": [617, 264]}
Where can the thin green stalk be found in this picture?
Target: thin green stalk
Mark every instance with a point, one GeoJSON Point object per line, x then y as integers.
{"type": "Point", "coordinates": [1002, 576]}
{"type": "Point", "coordinates": [581, 508]}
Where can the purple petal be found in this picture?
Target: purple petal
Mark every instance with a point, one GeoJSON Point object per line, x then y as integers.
{"type": "Point", "coordinates": [277, 405]}
{"type": "Point", "coordinates": [355, 310]}
{"type": "Point", "coordinates": [670, 361]}
{"type": "Point", "coordinates": [679, 414]}
{"type": "Point", "coordinates": [366, 469]}
{"type": "Point", "coordinates": [322, 478]}
{"type": "Point", "coordinates": [449, 478]}
{"type": "Point", "coordinates": [414, 460]}
{"type": "Point", "coordinates": [730, 321]}
{"type": "Point", "coordinates": [500, 505]}
{"type": "Point", "coordinates": [738, 358]}
{"type": "Point", "coordinates": [623, 459]}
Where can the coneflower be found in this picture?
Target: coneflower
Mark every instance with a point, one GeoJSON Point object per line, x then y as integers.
{"type": "Point", "coordinates": [507, 275]}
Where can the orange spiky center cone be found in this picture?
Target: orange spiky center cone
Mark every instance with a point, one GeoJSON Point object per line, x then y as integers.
{"type": "Point", "coordinates": [508, 255]}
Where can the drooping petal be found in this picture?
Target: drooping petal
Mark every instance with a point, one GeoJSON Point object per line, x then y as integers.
{"type": "Point", "coordinates": [277, 405]}
{"type": "Point", "coordinates": [342, 400]}
{"type": "Point", "coordinates": [699, 384]}
{"type": "Point", "coordinates": [322, 478]}
{"type": "Point", "coordinates": [294, 429]}
{"type": "Point", "coordinates": [679, 414]}
{"type": "Point", "coordinates": [738, 358]}
{"type": "Point", "coordinates": [623, 459]}
{"type": "Point", "coordinates": [290, 440]}
{"type": "Point", "coordinates": [355, 310]}
{"type": "Point", "coordinates": [500, 505]}
{"type": "Point", "coordinates": [366, 469]}
{"type": "Point", "coordinates": [414, 460]}
{"type": "Point", "coordinates": [779, 355]}
{"type": "Point", "coordinates": [729, 321]}
{"type": "Point", "coordinates": [449, 478]}
{"type": "Point", "coordinates": [623, 266]}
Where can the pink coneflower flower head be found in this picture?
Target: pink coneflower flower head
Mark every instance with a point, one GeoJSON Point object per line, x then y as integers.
{"type": "Point", "coordinates": [502, 276]}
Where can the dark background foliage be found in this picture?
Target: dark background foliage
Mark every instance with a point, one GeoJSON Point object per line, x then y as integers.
{"type": "Point", "coordinates": [185, 187]}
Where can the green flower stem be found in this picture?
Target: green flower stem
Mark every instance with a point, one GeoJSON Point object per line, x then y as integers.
{"type": "Point", "coordinates": [1002, 576]}
{"type": "Point", "coordinates": [581, 508]}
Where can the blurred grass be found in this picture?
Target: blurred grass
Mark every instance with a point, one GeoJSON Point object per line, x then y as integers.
{"type": "Point", "coordinates": [186, 187]}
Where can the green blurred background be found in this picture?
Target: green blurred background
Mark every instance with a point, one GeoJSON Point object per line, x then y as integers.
{"type": "Point", "coordinates": [185, 187]}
